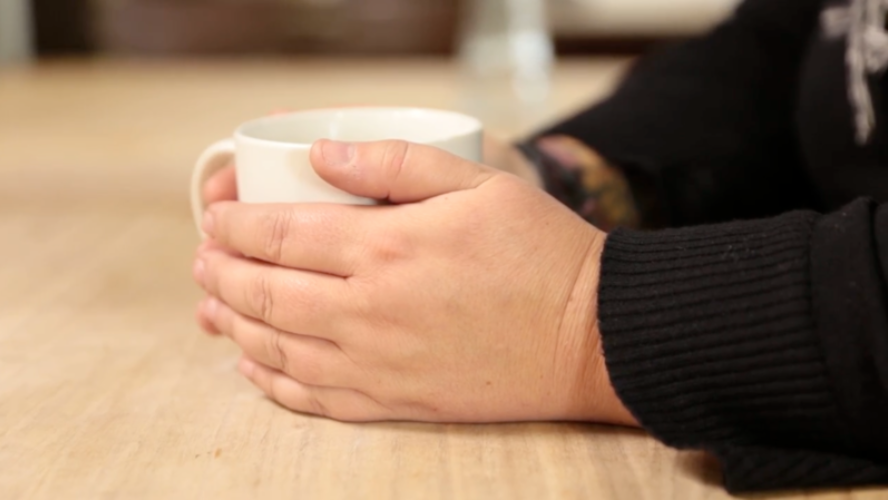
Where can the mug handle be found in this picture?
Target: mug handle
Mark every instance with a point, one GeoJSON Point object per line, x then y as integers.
{"type": "Point", "coordinates": [213, 159]}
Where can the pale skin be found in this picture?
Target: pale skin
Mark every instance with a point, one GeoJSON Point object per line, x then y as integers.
{"type": "Point", "coordinates": [469, 297]}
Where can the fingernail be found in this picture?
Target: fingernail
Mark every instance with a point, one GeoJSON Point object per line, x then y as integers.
{"type": "Point", "coordinates": [209, 223]}
{"type": "Point", "coordinates": [246, 366]}
{"type": "Point", "coordinates": [337, 154]}
{"type": "Point", "coordinates": [199, 271]}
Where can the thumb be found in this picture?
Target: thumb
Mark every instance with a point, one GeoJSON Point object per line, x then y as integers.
{"type": "Point", "coordinates": [398, 171]}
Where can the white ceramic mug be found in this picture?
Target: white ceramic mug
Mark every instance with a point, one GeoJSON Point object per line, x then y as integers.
{"type": "Point", "coordinates": [272, 154]}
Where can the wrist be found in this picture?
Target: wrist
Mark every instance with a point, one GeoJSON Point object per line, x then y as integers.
{"type": "Point", "coordinates": [591, 395]}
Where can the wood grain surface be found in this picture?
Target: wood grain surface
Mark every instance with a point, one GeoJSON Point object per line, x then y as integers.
{"type": "Point", "coordinates": [107, 388]}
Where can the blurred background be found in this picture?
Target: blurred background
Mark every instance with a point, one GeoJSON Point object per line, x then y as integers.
{"type": "Point", "coordinates": [506, 48]}
{"type": "Point", "coordinates": [342, 27]}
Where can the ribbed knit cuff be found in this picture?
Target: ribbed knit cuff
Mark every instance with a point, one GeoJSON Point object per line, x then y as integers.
{"type": "Point", "coordinates": [709, 340]}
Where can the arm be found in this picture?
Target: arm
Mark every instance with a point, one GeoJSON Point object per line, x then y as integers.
{"type": "Point", "coordinates": [704, 132]}
{"type": "Point", "coordinates": [764, 342]}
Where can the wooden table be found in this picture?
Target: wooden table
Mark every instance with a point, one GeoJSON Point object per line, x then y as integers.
{"type": "Point", "coordinates": [108, 390]}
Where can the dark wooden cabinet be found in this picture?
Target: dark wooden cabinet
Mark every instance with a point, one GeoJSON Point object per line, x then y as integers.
{"type": "Point", "coordinates": [62, 26]}
{"type": "Point", "coordinates": [173, 27]}
{"type": "Point", "coordinates": [230, 27]}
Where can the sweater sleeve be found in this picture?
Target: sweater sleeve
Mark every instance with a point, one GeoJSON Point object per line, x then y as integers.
{"type": "Point", "coordinates": [764, 342]}
{"type": "Point", "coordinates": [709, 124]}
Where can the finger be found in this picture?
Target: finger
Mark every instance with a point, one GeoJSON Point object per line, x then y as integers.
{"type": "Point", "coordinates": [203, 319]}
{"type": "Point", "coordinates": [199, 267]}
{"type": "Point", "coordinates": [311, 304]}
{"type": "Point", "coordinates": [398, 171]}
{"type": "Point", "coordinates": [339, 404]}
{"type": "Point", "coordinates": [309, 360]}
{"type": "Point", "coordinates": [221, 187]}
{"type": "Point", "coordinates": [324, 238]}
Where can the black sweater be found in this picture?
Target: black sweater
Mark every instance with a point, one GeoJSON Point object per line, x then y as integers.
{"type": "Point", "coordinates": [756, 326]}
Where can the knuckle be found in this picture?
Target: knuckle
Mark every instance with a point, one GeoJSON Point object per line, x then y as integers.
{"type": "Point", "coordinates": [395, 157]}
{"type": "Point", "coordinates": [273, 391]}
{"type": "Point", "coordinates": [391, 247]}
{"type": "Point", "coordinates": [308, 371]}
{"type": "Point", "coordinates": [275, 233]}
{"type": "Point", "coordinates": [261, 299]}
{"type": "Point", "coordinates": [277, 352]}
{"type": "Point", "coordinates": [317, 406]}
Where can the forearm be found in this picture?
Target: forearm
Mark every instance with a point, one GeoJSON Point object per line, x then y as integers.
{"type": "Point", "coordinates": [708, 126]}
{"type": "Point", "coordinates": [760, 341]}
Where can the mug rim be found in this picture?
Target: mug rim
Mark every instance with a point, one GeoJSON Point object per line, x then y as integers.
{"type": "Point", "coordinates": [471, 126]}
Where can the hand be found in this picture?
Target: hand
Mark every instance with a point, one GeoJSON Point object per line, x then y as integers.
{"type": "Point", "coordinates": [471, 298]}
{"type": "Point", "coordinates": [498, 154]}
{"type": "Point", "coordinates": [220, 187]}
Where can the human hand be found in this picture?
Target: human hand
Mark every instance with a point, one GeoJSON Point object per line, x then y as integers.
{"type": "Point", "coordinates": [471, 298]}
{"type": "Point", "coordinates": [220, 187]}
{"type": "Point", "coordinates": [498, 153]}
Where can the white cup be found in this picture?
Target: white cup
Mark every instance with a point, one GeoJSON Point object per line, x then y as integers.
{"type": "Point", "coordinates": [272, 154]}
